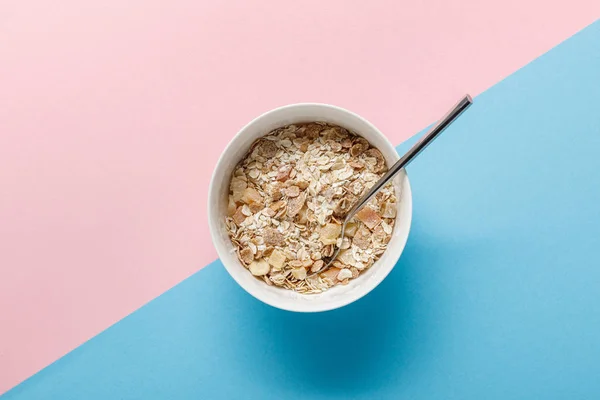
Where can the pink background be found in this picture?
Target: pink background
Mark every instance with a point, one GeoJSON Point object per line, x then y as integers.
{"type": "Point", "coordinates": [113, 114]}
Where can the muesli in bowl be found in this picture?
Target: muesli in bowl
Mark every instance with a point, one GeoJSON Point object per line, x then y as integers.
{"type": "Point", "coordinates": [288, 197]}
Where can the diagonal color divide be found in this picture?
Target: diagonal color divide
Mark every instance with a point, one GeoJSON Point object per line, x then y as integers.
{"type": "Point", "coordinates": [113, 113]}
{"type": "Point", "coordinates": [494, 298]}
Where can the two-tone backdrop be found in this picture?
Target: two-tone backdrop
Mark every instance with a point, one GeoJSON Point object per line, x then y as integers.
{"type": "Point", "coordinates": [113, 114]}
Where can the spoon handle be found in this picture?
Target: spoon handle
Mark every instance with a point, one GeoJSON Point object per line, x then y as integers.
{"type": "Point", "coordinates": [414, 151]}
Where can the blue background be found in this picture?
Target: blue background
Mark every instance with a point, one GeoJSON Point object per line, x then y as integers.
{"type": "Point", "coordinates": [496, 296]}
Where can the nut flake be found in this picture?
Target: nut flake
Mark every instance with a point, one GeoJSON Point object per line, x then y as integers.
{"type": "Point", "coordinates": [254, 173]}
{"type": "Point", "coordinates": [317, 265]}
{"type": "Point", "coordinates": [344, 274]}
{"type": "Point", "coordinates": [259, 268]}
{"type": "Point", "coordinates": [246, 210]}
{"type": "Point", "coordinates": [288, 197]}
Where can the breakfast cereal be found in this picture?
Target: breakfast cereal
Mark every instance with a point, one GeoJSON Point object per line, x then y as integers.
{"type": "Point", "coordinates": [287, 201]}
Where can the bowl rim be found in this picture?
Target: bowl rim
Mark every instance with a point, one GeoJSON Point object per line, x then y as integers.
{"type": "Point", "coordinates": [213, 220]}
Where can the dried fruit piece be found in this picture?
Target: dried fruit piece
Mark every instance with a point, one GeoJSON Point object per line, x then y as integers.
{"type": "Point", "coordinates": [231, 206]}
{"type": "Point", "coordinates": [351, 229]}
{"type": "Point", "coordinates": [329, 233]}
{"type": "Point", "coordinates": [277, 259]}
{"type": "Point", "coordinates": [237, 187]}
{"type": "Point", "coordinates": [238, 216]}
{"type": "Point", "coordinates": [251, 196]}
{"type": "Point", "coordinates": [259, 267]}
{"type": "Point", "coordinates": [295, 205]}
{"type": "Point", "coordinates": [299, 273]}
{"type": "Point", "coordinates": [389, 210]}
{"type": "Point", "coordinates": [256, 207]}
{"type": "Point", "coordinates": [346, 257]}
{"type": "Point", "coordinates": [302, 215]}
{"type": "Point", "coordinates": [369, 217]}
{"type": "Point", "coordinates": [254, 173]}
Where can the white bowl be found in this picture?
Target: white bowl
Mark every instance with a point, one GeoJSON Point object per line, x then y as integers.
{"type": "Point", "coordinates": [337, 296]}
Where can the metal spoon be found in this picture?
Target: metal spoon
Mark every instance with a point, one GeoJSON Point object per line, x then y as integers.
{"type": "Point", "coordinates": [410, 155]}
